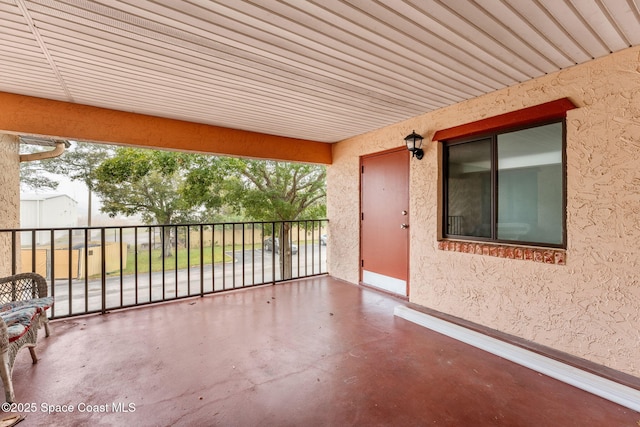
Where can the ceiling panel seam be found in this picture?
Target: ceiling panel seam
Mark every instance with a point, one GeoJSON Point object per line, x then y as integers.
{"type": "Point", "coordinates": [45, 51]}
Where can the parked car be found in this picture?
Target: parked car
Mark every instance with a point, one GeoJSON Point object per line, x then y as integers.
{"type": "Point", "coordinates": [268, 245]}
{"type": "Point", "coordinates": [323, 240]}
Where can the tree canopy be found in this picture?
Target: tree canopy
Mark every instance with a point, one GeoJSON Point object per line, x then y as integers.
{"type": "Point", "coordinates": [259, 189]}
{"type": "Point", "coordinates": [164, 187]}
{"type": "Point", "coordinates": [146, 183]}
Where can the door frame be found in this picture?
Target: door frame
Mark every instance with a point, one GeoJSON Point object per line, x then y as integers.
{"type": "Point", "coordinates": [360, 234]}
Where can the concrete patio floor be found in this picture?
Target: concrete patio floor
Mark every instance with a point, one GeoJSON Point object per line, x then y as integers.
{"type": "Point", "coordinates": [314, 352]}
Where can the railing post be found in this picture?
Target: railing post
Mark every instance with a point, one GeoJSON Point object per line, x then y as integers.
{"type": "Point", "coordinates": [121, 267]}
{"type": "Point", "coordinates": [298, 244]}
{"type": "Point", "coordinates": [70, 270]}
{"type": "Point", "coordinates": [33, 251]}
{"type": "Point", "coordinates": [103, 274]}
{"type": "Point", "coordinates": [150, 263]}
{"type": "Point", "coordinates": [253, 253]}
{"type": "Point", "coordinates": [52, 256]}
{"type": "Point", "coordinates": [175, 234]}
{"type": "Point", "coordinates": [306, 245]}
{"type": "Point", "coordinates": [213, 257]}
{"type": "Point", "coordinates": [189, 259]}
{"type": "Point", "coordinates": [86, 269]}
{"type": "Point", "coordinates": [224, 263]}
{"type": "Point", "coordinates": [273, 252]}
{"type": "Point", "coordinates": [243, 275]}
{"type": "Point", "coordinates": [163, 240]}
{"type": "Point", "coordinates": [202, 261]}
{"type": "Point", "coordinates": [14, 253]}
{"type": "Point", "coordinates": [233, 255]}
{"type": "Point", "coordinates": [135, 262]}
{"type": "Point", "coordinates": [53, 276]}
{"type": "Point", "coordinates": [319, 246]}
{"type": "Point", "coordinates": [262, 251]}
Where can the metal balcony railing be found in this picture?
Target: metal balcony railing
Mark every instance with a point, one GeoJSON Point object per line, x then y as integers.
{"type": "Point", "coordinates": [97, 269]}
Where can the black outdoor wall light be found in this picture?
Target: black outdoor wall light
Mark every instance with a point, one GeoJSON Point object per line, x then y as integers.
{"type": "Point", "coordinates": [414, 142]}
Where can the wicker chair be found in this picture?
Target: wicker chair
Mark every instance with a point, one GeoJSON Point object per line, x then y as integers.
{"type": "Point", "coordinates": [23, 305]}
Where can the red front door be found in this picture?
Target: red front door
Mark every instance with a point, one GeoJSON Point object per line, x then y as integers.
{"type": "Point", "coordinates": [384, 244]}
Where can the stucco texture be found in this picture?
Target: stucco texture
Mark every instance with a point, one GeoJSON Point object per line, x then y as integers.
{"type": "Point", "coordinates": [9, 196]}
{"type": "Point", "coordinates": [589, 307]}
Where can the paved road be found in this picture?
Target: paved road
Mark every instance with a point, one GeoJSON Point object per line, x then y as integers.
{"type": "Point", "coordinates": [122, 291]}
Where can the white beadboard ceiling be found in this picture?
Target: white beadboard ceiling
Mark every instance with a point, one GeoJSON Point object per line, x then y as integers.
{"type": "Point", "coordinates": [321, 70]}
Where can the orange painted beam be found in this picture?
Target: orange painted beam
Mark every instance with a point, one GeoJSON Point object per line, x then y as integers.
{"type": "Point", "coordinates": [548, 111]}
{"type": "Point", "coordinates": [38, 116]}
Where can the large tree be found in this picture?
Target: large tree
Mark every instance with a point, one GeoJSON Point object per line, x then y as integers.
{"type": "Point", "coordinates": [261, 190]}
{"type": "Point", "coordinates": [258, 189]}
{"type": "Point", "coordinates": [146, 183]}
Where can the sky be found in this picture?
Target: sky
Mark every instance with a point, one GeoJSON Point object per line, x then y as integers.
{"type": "Point", "coordinates": [74, 189]}
{"type": "Point", "coordinates": [78, 191]}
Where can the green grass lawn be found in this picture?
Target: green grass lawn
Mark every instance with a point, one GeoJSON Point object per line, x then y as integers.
{"type": "Point", "coordinates": [217, 256]}
{"type": "Point", "coordinates": [170, 262]}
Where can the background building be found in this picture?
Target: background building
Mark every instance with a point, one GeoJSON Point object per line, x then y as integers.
{"type": "Point", "coordinates": [46, 211]}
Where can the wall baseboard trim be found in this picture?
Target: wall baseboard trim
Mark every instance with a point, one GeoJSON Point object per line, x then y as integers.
{"type": "Point", "coordinates": [607, 389]}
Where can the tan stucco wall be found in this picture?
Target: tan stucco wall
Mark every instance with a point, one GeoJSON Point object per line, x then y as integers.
{"type": "Point", "coordinates": [589, 307]}
{"type": "Point", "coordinates": [9, 196]}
